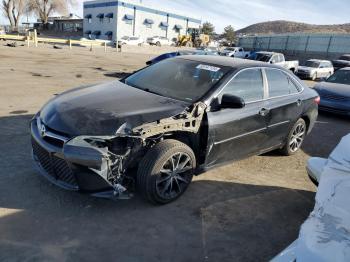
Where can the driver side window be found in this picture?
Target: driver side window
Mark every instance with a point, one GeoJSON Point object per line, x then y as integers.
{"type": "Point", "coordinates": [247, 84]}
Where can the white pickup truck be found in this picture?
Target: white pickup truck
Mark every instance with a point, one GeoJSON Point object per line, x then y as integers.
{"type": "Point", "coordinates": [235, 52]}
{"type": "Point", "coordinates": [275, 58]}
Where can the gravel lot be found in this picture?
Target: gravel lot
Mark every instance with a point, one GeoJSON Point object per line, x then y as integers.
{"type": "Point", "coordinates": [246, 211]}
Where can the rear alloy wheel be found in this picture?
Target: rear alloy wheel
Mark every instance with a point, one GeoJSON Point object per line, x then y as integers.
{"type": "Point", "coordinates": [158, 44]}
{"type": "Point", "coordinates": [295, 138]}
{"type": "Point", "coordinates": [166, 171]}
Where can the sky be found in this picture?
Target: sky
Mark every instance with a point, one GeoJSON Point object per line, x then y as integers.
{"type": "Point", "coordinates": [241, 13]}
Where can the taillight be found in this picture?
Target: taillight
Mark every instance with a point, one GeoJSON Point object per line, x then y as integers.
{"type": "Point", "coordinates": [317, 100]}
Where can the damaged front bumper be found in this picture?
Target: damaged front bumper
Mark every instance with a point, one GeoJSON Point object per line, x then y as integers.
{"type": "Point", "coordinates": [76, 165]}
{"type": "Point", "coordinates": [100, 165]}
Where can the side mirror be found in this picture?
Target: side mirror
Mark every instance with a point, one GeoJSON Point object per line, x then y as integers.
{"type": "Point", "coordinates": [272, 62]}
{"type": "Point", "coordinates": [231, 101]}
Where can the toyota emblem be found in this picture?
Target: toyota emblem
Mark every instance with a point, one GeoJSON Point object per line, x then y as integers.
{"type": "Point", "coordinates": [42, 130]}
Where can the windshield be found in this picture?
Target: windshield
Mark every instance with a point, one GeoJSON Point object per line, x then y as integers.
{"type": "Point", "coordinates": [261, 57]}
{"type": "Point", "coordinates": [125, 38]}
{"type": "Point", "coordinates": [340, 77]}
{"type": "Point", "coordinates": [312, 64]}
{"type": "Point", "coordinates": [345, 57]}
{"type": "Point", "coordinates": [179, 79]}
{"type": "Point", "coordinates": [230, 49]}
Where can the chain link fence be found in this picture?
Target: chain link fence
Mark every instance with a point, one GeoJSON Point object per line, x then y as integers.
{"type": "Point", "coordinates": [325, 45]}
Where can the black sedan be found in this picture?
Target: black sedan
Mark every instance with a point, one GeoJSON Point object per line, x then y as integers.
{"type": "Point", "coordinates": [335, 92]}
{"type": "Point", "coordinates": [155, 129]}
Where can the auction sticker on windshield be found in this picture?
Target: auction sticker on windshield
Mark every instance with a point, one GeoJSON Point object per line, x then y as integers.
{"type": "Point", "coordinates": [208, 68]}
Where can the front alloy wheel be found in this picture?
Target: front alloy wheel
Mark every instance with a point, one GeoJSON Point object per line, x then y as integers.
{"type": "Point", "coordinates": [166, 171]}
{"type": "Point", "coordinates": [174, 176]}
{"type": "Point", "coordinates": [295, 138]}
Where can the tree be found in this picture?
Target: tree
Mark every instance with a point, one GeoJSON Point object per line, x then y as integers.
{"type": "Point", "coordinates": [208, 28]}
{"type": "Point", "coordinates": [44, 8]}
{"type": "Point", "coordinates": [229, 34]}
{"type": "Point", "coordinates": [13, 10]}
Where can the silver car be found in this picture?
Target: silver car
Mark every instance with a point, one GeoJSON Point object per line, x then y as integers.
{"type": "Point", "coordinates": [315, 69]}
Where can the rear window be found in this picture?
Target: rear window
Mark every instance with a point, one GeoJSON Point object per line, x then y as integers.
{"type": "Point", "coordinates": [261, 57]}
{"type": "Point", "coordinates": [313, 64]}
{"type": "Point", "coordinates": [178, 78]}
{"type": "Point", "coordinates": [280, 83]}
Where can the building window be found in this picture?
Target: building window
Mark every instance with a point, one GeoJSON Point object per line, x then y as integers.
{"type": "Point", "coordinates": [109, 35]}
{"type": "Point", "coordinates": [97, 34]}
{"type": "Point", "coordinates": [89, 18]}
{"type": "Point", "coordinates": [177, 28]}
{"type": "Point", "coordinates": [100, 17]}
{"type": "Point", "coordinates": [163, 26]}
{"type": "Point", "coordinates": [148, 23]}
{"type": "Point", "coordinates": [109, 17]}
{"type": "Point", "coordinates": [128, 19]}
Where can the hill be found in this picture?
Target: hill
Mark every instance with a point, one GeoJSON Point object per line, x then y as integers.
{"type": "Point", "coordinates": [283, 27]}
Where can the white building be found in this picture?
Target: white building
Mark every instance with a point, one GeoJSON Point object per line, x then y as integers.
{"type": "Point", "coordinates": [112, 19]}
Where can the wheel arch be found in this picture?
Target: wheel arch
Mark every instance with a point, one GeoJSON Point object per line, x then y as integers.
{"type": "Point", "coordinates": [307, 120]}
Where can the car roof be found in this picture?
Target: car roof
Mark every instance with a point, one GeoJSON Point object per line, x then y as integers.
{"type": "Point", "coordinates": [318, 60]}
{"type": "Point", "coordinates": [266, 52]}
{"type": "Point", "coordinates": [225, 61]}
{"type": "Point", "coordinates": [345, 69]}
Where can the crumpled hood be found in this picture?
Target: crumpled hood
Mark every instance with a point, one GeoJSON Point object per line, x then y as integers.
{"type": "Point", "coordinates": [102, 109]}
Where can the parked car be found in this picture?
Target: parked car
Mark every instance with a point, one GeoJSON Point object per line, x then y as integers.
{"type": "Point", "coordinates": [130, 40]}
{"type": "Point", "coordinates": [181, 53]}
{"type": "Point", "coordinates": [325, 235]}
{"type": "Point", "coordinates": [169, 121]}
{"type": "Point", "coordinates": [343, 61]}
{"type": "Point", "coordinates": [214, 43]}
{"type": "Point", "coordinates": [235, 52]}
{"type": "Point", "coordinates": [335, 92]}
{"type": "Point", "coordinates": [315, 69]}
{"type": "Point", "coordinates": [274, 58]}
{"type": "Point", "coordinates": [159, 41]}
{"type": "Point", "coordinates": [87, 42]}
{"type": "Point", "coordinates": [208, 50]}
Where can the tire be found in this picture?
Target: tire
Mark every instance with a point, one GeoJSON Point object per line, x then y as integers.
{"type": "Point", "coordinates": [158, 44]}
{"type": "Point", "coordinates": [295, 138]}
{"type": "Point", "coordinates": [314, 77]}
{"type": "Point", "coordinates": [162, 187]}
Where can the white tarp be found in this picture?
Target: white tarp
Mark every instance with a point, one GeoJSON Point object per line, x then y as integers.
{"type": "Point", "coordinates": [325, 235]}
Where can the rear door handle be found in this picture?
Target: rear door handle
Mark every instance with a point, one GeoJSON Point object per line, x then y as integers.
{"type": "Point", "coordinates": [264, 111]}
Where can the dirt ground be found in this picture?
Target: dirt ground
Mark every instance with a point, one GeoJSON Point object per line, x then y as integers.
{"type": "Point", "coordinates": [246, 211]}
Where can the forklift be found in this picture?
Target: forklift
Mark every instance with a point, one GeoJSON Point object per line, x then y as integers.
{"type": "Point", "coordinates": [193, 38]}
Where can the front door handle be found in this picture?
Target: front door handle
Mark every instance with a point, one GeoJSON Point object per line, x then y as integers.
{"type": "Point", "coordinates": [264, 111]}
